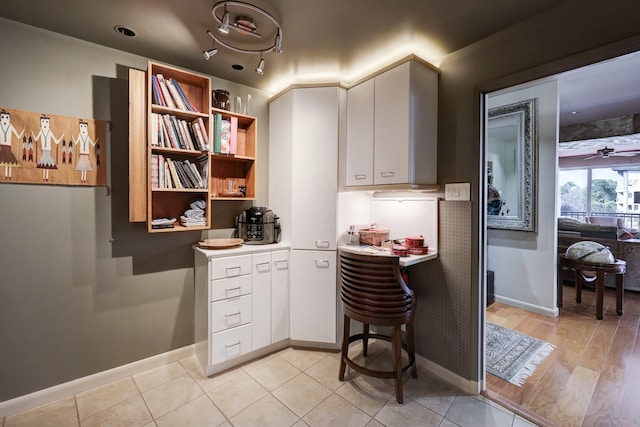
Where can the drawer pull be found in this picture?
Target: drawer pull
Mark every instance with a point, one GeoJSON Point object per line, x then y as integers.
{"type": "Point", "coordinates": [322, 243]}
{"type": "Point", "coordinates": [387, 174]}
{"type": "Point", "coordinates": [237, 343]}
{"type": "Point", "coordinates": [233, 271]}
{"type": "Point", "coordinates": [263, 266]}
{"type": "Point", "coordinates": [322, 263]}
{"type": "Point", "coordinates": [282, 264]}
{"type": "Point", "coordinates": [360, 176]}
{"type": "Point", "coordinates": [237, 288]}
{"type": "Point", "coordinates": [237, 313]}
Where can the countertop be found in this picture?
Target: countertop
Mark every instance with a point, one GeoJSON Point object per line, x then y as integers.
{"type": "Point", "coordinates": [243, 250]}
{"type": "Point", "coordinates": [405, 261]}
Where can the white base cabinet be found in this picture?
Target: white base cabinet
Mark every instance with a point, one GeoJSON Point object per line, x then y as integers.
{"type": "Point", "coordinates": [241, 304]}
{"type": "Point", "coordinates": [313, 298]}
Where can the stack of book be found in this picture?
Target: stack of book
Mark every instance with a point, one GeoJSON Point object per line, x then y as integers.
{"type": "Point", "coordinates": [171, 173]}
{"type": "Point", "coordinates": [225, 135]}
{"type": "Point", "coordinates": [168, 93]}
{"type": "Point", "coordinates": [171, 132]}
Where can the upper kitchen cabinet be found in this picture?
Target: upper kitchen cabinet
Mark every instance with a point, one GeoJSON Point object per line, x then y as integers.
{"type": "Point", "coordinates": [303, 164]}
{"type": "Point", "coordinates": [392, 129]}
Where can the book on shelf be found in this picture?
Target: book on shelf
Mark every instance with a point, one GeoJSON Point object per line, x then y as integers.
{"type": "Point", "coordinates": [155, 175]}
{"type": "Point", "coordinates": [165, 91]}
{"type": "Point", "coordinates": [203, 160]}
{"type": "Point", "coordinates": [233, 137]}
{"type": "Point", "coordinates": [168, 179]}
{"type": "Point", "coordinates": [166, 118]}
{"type": "Point", "coordinates": [217, 124]}
{"type": "Point", "coordinates": [161, 176]}
{"type": "Point", "coordinates": [194, 178]}
{"type": "Point", "coordinates": [202, 132]}
{"type": "Point", "coordinates": [225, 136]}
{"type": "Point", "coordinates": [174, 174]}
{"type": "Point", "coordinates": [180, 105]}
{"type": "Point", "coordinates": [193, 135]}
{"type": "Point", "coordinates": [158, 99]}
{"type": "Point", "coordinates": [188, 104]}
{"type": "Point", "coordinates": [154, 129]}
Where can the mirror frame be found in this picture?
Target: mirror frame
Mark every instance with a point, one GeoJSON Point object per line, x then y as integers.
{"type": "Point", "coordinates": [525, 113]}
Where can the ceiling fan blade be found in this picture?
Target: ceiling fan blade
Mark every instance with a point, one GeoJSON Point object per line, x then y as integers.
{"type": "Point", "coordinates": [625, 153]}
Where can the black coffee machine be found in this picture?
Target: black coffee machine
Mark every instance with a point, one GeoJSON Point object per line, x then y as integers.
{"type": "Point", "coordinates": [258, 226]}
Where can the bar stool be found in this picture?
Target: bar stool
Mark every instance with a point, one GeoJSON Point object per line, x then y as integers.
{"type": "Point", "coordinates": [619, 267]}
{"type": "Point", "coordinates": [374, 293]}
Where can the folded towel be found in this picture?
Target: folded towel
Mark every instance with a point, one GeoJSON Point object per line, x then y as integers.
{"type": "Point", "coordinates": [194, 213]}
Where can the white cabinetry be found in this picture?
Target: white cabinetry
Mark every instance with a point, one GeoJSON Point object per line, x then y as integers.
{"type": "Point", "coordinates": [303, 165]}
{"type": "Point", "coordinates": [392, 129]}
{"type": "Point", "coordinates": [239, 308]}
{"type": "Point", "coordinates": [304, 132]}
{"type": "Point", "coordinates": [313, 296]}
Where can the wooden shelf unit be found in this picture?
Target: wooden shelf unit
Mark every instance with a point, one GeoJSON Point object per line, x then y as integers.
{"type": "Point", "coordinates": [171, 203]}
{"type": "Point", "coordinates": [229, 171]}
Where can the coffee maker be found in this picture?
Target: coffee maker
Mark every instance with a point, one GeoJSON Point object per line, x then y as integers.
{"type": "Point", "coordinates": [258, 226]}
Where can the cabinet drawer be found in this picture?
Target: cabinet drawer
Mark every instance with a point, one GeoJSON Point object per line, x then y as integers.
{"type": "Point", "coordinates": [230, 344]}
{"type": "Point", "coordinates": [230, 312]}
{"type": "Point", "coordinates": [230, 288]}
{"type": "Point", "coordinates": [230, 266]}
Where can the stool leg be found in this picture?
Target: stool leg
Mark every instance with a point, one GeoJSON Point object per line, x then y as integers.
{"type": "Point", "coordinates": [365, 339]}
{"type": "Point", "coordinates": [599, 294]}
{"type": "Point", "coordinates": [411, 349]}
{"type": "Point", "coordinates": [397, 361]}
{"type": "Point", "coordinates": [345, 346]}
{"type": "Point", "coordinates": [619, 293]}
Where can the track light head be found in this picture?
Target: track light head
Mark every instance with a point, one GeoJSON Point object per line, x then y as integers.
{"type": "Point", "coordinates": [209, 53]}
{"type": "Point", "coordinates": [277, 47]}
{"type": "Point", "coordinates": [260, 67]}
{"type": "Point", "coordinates": [224, 27]}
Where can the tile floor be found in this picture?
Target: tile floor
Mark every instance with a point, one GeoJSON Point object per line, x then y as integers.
{"type": "Point", "coordinates": [288, 388]}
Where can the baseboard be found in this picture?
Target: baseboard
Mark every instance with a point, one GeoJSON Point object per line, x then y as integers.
{"type": "Point", "coordinates": [455, 380]}
{"type": "Point", "coordinates": [51, 394]}
{"type": "Point", "coordinates": [529, 307]}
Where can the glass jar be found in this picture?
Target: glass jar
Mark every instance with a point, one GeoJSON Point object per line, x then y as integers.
{"type": "Point", "coordinates": [220, 99]}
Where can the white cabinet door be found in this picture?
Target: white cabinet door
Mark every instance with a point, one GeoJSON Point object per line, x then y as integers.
{"type": "Point", "coordinates": [360, 134]}
{"type": "Point", "coordinates": [314, 179]}
{"type": "Point", "coordinates": [313, 296]}
{"type": "Point", "coordinates": [392, 126]}
{"type": "Point", "coordinates": [279, 296]}
{"type": "Point", "coordinates": [261, 299]}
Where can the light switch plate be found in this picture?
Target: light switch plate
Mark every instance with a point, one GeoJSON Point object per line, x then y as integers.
{"type": "Point", "coordinates": [458, 192]}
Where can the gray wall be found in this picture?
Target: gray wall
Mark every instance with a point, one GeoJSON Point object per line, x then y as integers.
{"type": "Point", "coordinates": [83, 290]}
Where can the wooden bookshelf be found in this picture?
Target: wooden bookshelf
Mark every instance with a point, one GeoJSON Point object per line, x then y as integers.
{"type": "Point", "coordinates": [230, 171]}
{"type": "Point", "coordinates": [146, 148]}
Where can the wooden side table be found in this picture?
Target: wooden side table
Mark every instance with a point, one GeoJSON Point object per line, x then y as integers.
{"type": "Point", "coordinates": [618, 268]}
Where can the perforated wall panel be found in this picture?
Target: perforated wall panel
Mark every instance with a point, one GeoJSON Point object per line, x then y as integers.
{"type": "Point", "coordinates": [443, 290]}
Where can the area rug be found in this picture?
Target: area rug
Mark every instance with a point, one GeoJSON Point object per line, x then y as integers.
{"type": "Point", "coordinates": [513, 356]}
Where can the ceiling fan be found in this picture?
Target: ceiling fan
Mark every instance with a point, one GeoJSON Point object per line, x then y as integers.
{"type": "Point", "coordinates": [606, 152]}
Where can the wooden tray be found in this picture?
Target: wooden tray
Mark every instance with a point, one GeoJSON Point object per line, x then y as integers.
{"type": "Point", "coordinates": [220, 243]}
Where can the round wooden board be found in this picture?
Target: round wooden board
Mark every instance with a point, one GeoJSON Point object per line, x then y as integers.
{"type": "Point", "coordinates": [220, 243]}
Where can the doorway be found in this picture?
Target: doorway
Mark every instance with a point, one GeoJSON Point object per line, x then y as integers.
{"type": "Point", "coordinates": [521, 253]}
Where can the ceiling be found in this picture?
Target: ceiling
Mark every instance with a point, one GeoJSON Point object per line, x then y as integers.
{"type": "Point", "coordinates": [323, 41]}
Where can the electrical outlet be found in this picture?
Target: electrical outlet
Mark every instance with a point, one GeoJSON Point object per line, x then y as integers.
{"type": "Point", "coordinates": [458, 191]}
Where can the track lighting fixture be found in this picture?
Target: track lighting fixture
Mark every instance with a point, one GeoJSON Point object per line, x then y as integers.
{"type": "Point", "coordinates": [224, 25]}
{"type": "Point", "coordinates": [277, 48]}
{"type": "Point", "coordinates": [260, 67]}
{"type": "Point", "coordinates": [210, 52]}
{"type": "Point", "coordinates": [245, 18]}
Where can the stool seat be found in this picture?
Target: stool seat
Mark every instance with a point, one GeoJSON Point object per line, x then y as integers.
{"type": "Point", "coordinates": [373, 292]}
{"type": "Point", "coordinates": [619, 267]}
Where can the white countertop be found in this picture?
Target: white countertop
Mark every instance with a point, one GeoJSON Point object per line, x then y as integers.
{"type": "Point", "coordinates": [243, 249]}
{"type": "Point", "coordinates": [405, 261]}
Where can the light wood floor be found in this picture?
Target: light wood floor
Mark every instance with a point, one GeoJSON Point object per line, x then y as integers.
{"type": "Point", "coordinates": [592, 378]}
